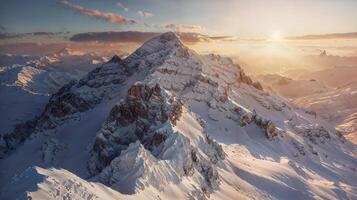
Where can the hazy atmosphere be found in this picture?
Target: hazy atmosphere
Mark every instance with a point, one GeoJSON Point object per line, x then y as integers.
{"type": "Point", "coordinates": [286, 31]}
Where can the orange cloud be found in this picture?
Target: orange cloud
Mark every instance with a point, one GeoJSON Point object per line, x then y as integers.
{"type": "Point", "coordinates": [105, 16]}
{"type": "Point", "coordinates": [352, 35]}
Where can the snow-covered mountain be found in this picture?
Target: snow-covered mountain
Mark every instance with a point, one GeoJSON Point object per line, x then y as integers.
{"type": "Point", "coordinates": [331, 95]}
{"type": "Point", "coordinates": [28, 81]}
{"type": "Point", "coordinates": [167, 123]}
{"type": "Point", "coordinates": [337, 106]}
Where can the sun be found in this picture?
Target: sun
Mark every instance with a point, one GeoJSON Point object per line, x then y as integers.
{"type": "Point", "coordinates": [276, 36]}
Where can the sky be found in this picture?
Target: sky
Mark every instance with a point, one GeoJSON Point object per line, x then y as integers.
{"type": "Point", "coordinates": [243, 18]}
{"type": "Point", "coordinates": [228, 27]}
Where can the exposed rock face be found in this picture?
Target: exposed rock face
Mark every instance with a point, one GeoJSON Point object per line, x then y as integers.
{"type": "Point", "coordinates": [74, 97]}
{"type": "Point", "coordinates": [19, 135]}
{"type": "Point", "coordinates": [136, 118]}
{"type": "Point", "coordinates": [61, 104]}
{"type": "Point", "coordinates": [246, 119]}
{"type": "Point", "coordinates": [82, 95]}
{"type": "Point", "coordinates": [267, 126]}
{"type": "Point", "coordinates": [257, 85]}
{"type": "Point", "coordinates": [243, 78]}
{"type": "Point", "coordinates": [115, 59]}
{"type": "Point", "coordinates": [314, 133]}
{"type": "Point", "coordinates": [270, 130]}
{"type": "Point", "coordinates": [141, 127]}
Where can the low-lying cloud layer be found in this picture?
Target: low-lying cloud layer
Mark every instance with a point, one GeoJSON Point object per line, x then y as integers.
{"type": "Point", "coordinates": [352, 35]}
{"type": "Point", "coordinates": [5, 36]}
{"type": "Point", "coordinates": [105, 16]}
{"type": "Point", "coordinates": [139, 37]}
{"type": "Point", "coordinates": [120, 37]}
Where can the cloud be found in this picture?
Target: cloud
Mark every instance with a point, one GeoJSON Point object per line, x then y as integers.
{"type": "Point", "coordinates": [352, 35]}
{"type": "Point", "coordinates": [120, 5]}
{"type": "Point", "coordinates": [140, 37]}
{"type": "Point", "coordinates": [4, 36]}
{"type": "Point", "coordinates": [105, 16]}
{"type": "Point", "coordinates": [144, 14]}
{"type": "Point", "coordinates": [183, 27]}
{"type": "Point", "coordinates": [124, 36]}
{"type": "Point", "coordinates": [223, 38]}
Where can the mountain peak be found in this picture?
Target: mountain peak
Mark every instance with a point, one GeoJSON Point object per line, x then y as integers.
{"type": "Point", "coordinates": [157, 49]}
{"type": "Point", "coordinates": [115, 59]}
{"type": "Point", "coordinates": [169, 39]}
{"type": "Point", "coordinates": [169, 36]}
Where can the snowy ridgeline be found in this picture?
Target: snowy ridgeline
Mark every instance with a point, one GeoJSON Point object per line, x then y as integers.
{"type": "Point", "coordinates": [28, 81]}
{"type": "Point", "coordinates": [167, 123]}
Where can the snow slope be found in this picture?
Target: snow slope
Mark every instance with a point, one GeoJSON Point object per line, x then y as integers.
{"type": "Point", "coordinates": [334, 103]}
{"type": "Point", "coordinates": [343, 100]}
{"type": "Point", "coordinates": [167, 123]}
{"type": "Point", "coordinates": [28, 81]}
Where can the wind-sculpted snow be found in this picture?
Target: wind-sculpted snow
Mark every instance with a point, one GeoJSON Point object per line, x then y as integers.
{"type": "Point", "coordinates": [167, 123]}
{"type": "Point", "coordinates": [139, 138]}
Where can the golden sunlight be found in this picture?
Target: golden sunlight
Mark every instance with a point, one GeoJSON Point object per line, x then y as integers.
{"type": "Point", "coordinates": [276, 36]}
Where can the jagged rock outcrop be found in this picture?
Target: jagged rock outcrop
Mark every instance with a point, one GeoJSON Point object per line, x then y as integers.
{"type": "Point", "coordinates": [270, 130]}
{"type": "Point", "coordinates": [141, 128]}
{"type": "Point", "coordinates": [21, 132]}
{"type": "Point", "coordinates": [314, 133]}
{"type": "Point", "coordinates": [74, 97]}
{"type": "Point", "coordinates": [82, 95]}
{"type": "Point", "coordinates": [257, 85]}
{"type": "Point", "coordinates": [138, 117]}
{"type": "Point", "coordinates": [115, 59]}
{"type": "Point", "coordinates": [267, 126]}
{"type": "Point", "coordinates": [243, 78]}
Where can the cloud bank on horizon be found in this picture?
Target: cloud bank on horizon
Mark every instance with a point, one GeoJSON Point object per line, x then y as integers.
{"type": "Point", "coordinates": [243, 19]}
{"type": "Point", "coordinates": [236, 22]}
{"type": "Point", "coordinates": [352, 35]}
{"type": "Point", "coordinates": [141, 37]}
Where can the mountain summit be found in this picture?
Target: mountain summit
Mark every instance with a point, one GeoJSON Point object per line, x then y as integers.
{"type": "Point", "coordinates": [166, 122]}
{"type": "Point", "coordinates": [115, 59]}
